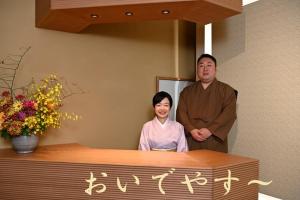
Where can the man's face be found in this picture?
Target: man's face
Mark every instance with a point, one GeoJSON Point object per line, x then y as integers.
{"type": "Point", "coordinates": [206, 70]}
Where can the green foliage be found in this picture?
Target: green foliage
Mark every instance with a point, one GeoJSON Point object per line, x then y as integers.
{"type": "Point", "coordinates": [5, 134]}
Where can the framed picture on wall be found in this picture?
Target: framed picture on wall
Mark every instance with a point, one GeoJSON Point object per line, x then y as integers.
{"type": "Point", "coordinates": [173, 86]}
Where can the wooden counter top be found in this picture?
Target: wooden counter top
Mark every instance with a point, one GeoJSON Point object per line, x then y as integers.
{"type": "Point", "coordinates": [75, 153]}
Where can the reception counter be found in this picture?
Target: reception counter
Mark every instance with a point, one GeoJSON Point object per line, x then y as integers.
{"type": "Point", "coordinates": [72, 171]}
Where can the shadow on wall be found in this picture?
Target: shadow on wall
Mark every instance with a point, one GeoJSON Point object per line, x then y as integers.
{"type": "Point", "coordinates": [133, 30]}
{"type": "Point", "coordinates": [233, 133]}
{"type": "Point", "coordinates": [229, 38]}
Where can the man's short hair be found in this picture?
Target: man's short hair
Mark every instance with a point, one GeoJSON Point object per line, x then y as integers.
{"type": "Point", "coordinates": [207, 56]}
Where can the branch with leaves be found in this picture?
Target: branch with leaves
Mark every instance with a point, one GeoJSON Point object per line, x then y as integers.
{"type": "Point", "coordinates": [8, 69]}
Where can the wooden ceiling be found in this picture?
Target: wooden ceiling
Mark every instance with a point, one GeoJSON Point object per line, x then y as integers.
{"type": "Point", "coordinates": [76, 15]}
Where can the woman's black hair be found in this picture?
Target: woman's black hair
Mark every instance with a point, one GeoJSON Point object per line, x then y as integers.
{"type": "Point", "coordinates": [158, 97]}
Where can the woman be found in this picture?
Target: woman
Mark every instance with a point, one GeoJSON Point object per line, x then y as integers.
{"type": "Point", "coordinates": [161, 133]}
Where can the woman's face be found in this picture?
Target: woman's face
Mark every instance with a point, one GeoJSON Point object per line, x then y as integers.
{"type": "Point", "coordinates": [162, 109]}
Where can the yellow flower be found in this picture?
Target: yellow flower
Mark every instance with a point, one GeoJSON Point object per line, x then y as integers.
{"type": "Point", "coordinates": [31, 122]}
{"type": "Point", "coordinates": [17, 106]}
{"type": "Point", "coordinates": [2, 119]}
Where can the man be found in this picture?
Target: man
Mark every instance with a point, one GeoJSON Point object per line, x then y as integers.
{"type": "Point", "coordinates": [207, 108]}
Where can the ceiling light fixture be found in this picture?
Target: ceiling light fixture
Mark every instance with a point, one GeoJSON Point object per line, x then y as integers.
{"type": "Point", "coordinates": [94, 16]}
{"type": "Point", "coordinates": [165, 12]}
{"type": "Point", "coordinates": [129, 13]}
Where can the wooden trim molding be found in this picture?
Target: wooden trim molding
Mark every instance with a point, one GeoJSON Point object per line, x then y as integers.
{"type": "Point", "coordinates": [76, 15]}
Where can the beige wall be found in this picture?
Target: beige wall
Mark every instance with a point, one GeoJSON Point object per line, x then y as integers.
{"type": "Point", "coordinates": [258, 54]}
{"type": "Point", "coordinates": [115, 64]}
{"type": "Point", "coordinates": [187, 38]}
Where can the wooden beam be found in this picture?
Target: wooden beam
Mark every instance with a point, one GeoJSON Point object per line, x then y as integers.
{"type": "Point", "coordinates": [76, 15]}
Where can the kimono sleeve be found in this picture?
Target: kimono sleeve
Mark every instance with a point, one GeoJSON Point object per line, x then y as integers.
{"type": "Point", "coordinates": [221, 126]}
{"type": "Point", "coordinates": [182, 112]}
{"type": "Point", "coordinates": [182, 145]}
{"type": "Point", "coordinates": [144, 140]}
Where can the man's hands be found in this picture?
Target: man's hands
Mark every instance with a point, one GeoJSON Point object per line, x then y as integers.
{"type": "Point", "coordinates": [201, 134]}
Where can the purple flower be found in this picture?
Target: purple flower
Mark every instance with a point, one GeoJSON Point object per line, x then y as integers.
{"type": "Point", "coordinates": [21, 116]}
{"type": "Point", "coordinates": [30, 112]}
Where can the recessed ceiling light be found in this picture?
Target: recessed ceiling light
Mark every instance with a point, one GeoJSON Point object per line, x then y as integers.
{"type": "Point", "coordinates": [94, 16]}
{"type": "Point", "coordinates": [129, 13]}
{"type": "Point", "coordinates": [165, 12]}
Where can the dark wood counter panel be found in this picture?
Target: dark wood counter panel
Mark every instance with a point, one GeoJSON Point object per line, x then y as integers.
{"type": "Point", "coordinates": [66, 171]}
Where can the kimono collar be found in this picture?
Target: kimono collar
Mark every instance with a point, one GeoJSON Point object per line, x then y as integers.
{"type": "Point", "coordinates": [162, 125]}
{"type": "Point", "coordinates": [209, 86]}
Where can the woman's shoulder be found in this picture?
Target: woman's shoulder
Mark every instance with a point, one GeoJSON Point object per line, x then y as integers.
{"type": "Point", "coordinates": [149, 123]}
{"type": "Point", "coordinates": [175, 123]}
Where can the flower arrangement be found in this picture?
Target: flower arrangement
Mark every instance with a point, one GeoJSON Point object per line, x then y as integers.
{"type": "Point", "coordinates": [34, 112]}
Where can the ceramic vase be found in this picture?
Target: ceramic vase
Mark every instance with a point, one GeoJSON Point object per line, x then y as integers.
{"type": "Point", "coordinates": [25, 144]}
